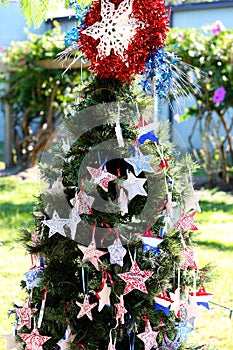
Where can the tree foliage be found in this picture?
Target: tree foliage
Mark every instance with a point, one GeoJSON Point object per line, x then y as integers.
{"type": "Point", "coordinates": [210, 51]}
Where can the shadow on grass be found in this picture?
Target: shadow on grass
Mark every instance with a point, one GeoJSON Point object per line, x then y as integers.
{"type": "Point", "coordinates": [216, 206]}
{"type": "Point", "coordinates": [215, 245]}
{"type": "Point", "coordinates": [8, 209]}
{"type": "Point", "coordinates": [8, 186]}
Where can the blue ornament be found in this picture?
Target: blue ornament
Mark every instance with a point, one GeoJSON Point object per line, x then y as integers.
{"type": "Point", "coordinates": [165, 309]}
{"type": "Point", "coordinates": [150, 135]}
{"type": "Point", "coordinates": [147, 247]}
{"type": "Point", "coordinates": [170, 345]}
{"type": "Point", "coordinates": [205, 304]}
{"type": "Point", "coordinates": [140, 163]}
{"type": "Point", "coordinates": [32, 277]}
{"type": "Point", "coordinates": [183, 331]}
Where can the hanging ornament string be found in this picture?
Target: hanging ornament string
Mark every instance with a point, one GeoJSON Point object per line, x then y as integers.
{"type": "Point", "coordinates": [155, 102]}
{"type": "Point", "coordinates": [42, 309]}
{"type": "Point", "coordinates": [85, 282]}
{"type": "Point", "coordinates": [109, 231]}
{"type": "Point", "coordinates": [118, 129]}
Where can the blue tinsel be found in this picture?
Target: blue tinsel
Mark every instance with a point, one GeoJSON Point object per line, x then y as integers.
{"type": "Point", "coordinates": [158, 66]}
{"type": "Point", "coordinates": [72, 36]}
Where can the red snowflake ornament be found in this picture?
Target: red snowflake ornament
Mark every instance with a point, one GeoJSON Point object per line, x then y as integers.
{"type": "Point", "coordinates": [135, 279]}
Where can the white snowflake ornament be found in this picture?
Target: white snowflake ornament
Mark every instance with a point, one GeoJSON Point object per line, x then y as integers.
{"type": "Point", "coordinates": [116, 29]}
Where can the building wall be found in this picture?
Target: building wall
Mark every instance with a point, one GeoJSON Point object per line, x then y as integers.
{"type": "Point", "coordinates": [197, 15]}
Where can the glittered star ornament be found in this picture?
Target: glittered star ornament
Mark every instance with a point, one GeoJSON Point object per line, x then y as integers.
{"type": "Point", "coordinates": [104, 297]}
{"type": "Point", "coordinates": [121, 310]}
{"type": "Point", "coordinates": [115, 30]}
{"type": "Point", "coordinates": [190, 259]}
{"type": "Point", "coordinates": [117, 252]}
{"type": "Point", "coordinates": [203, 297]}
{"type": "Point", "coordinates": [183, 331]}
{"type": "Point", "coordinates": [32, 277]}
{"type": "Point", "coordinates": [192, 308]}
{"type": "Point", "coordinates": [186, 222]}
{"type": "Point", "coordinates": [67, 340]}
{"type": "Point", "coordinates": [86, 308]}
{"type": "Point", "coordinates": [135, 278]}
{"type": "Point", "coordinates": [150, 242]}
{"type": "Point", "coordinates": [123, 202]}
{"type": "Point", "coordinates": [74, 220]}
{"type": "Point", "coordinates": [149, 337]}
{"type": "Point", "coordinates": [162, 302]}
{"type": "Point", "coordinates": [134, 186]}
{"type": "Point", "coordinates": [34, 340]}
{"type": "Point", "coordinates": [56, 224]}
{"type": "Point", "coordinates": [101, 177]}
{"type": "Point", "coordinates": [11, 342]}
{"type": "Point", "coordinates": [91, 254]}
{"type": "Point", "coordinates": [82, 202]}
{"type": "Point", "coordinates": [170, 345]}
{"type": "Point", "coordinates": [24, 315]}
{"type": "Point", "coordinates": [175, 297]}
{"type": "Point", "coordinates": [140, 163]}
{"type": "Point", "coordinates": [191, 199]}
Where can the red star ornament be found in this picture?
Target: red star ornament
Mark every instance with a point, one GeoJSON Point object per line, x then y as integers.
{"type": "Point", "coordinates": [34, 340]}
{"type": "Point", "coordinates": [86, 308]}
{"type": "Point", "coordinates": [190, 258]}
{"type": "Point", "coordinates": [101, 177]}
{"type": "Point", "coordinates": [186, 222]}
{"type": "Point", "coordinates": [24, 315]}
{"type": "Point", "coordinates": [121, 310]}
{"type": "Point", "coordinates": [135, 279]}
{"type": "Point", "coordinates": [149, 337]}
{"type": "Point", "coordinates": [91, 254]}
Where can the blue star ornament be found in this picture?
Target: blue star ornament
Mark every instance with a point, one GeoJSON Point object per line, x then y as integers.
{"type": "Point", "coordinates": [32, 277]}
{"type": "Point", "coordinates": [56, 224]}
{"type": "Point", "coordinates": [183, 331]}
{"type": "Point", "coordinates": [170, 345]}
{"type": "Point", "coordinates": [117, 252]}
{"type": "Point", "coordinates": [140, 163]}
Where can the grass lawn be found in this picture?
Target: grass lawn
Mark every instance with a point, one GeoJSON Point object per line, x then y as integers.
{"type": "Point", "coordinates": [214, 244]}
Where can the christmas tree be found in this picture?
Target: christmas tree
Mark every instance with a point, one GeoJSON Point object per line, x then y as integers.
{"type": "Point", "coordinates": [113, 264]}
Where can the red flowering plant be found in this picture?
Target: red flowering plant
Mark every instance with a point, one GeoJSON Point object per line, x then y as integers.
{"type": "Point", "coordinates": [210, 51]}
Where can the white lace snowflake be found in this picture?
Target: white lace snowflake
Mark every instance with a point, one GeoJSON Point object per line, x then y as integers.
{"type": "Point", "coordinates": [115, 30]}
